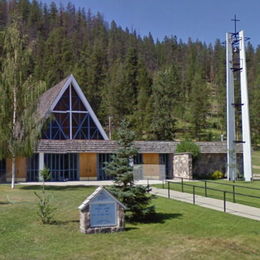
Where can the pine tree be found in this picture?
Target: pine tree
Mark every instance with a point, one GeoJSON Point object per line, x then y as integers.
{"type": "Point", "coordinates": [134, 197]}
{"type": "Point", "coordinates": [198, 106]}
{"type": "Point", "coordinates": [19, 126]}
{"type": "Point", "coordinates": [138, 118]}
{"type": "Point", "coordinates": [166, 94]}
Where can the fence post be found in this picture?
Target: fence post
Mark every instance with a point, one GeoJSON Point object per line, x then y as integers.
{"type": "Point", "coordinates": [224, 201]}
{"type": "Point", "coordinates": [193, 195]}
{"type": "Point", "coordinates": [163, 184]}
{"type": "Point", "coordinates": [168, 189]}
{"type": "Point", "coordinates": [182, 185]}
{"type": "Point", "coordinates": [206, 192]}
{"type": "Point", "coordinates": [234, 194]}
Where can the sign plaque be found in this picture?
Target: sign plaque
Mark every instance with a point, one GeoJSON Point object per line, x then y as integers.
{"type": "Point", "coordinates": [101, 212]}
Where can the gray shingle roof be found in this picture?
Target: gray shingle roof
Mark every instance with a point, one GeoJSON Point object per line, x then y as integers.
{"type": "Point", "coordinates": [47, 99]}
{"type": "Point", "coordinates": [109, 146]}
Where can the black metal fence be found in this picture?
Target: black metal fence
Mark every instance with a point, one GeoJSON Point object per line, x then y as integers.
{"type": "Point", "coordinates": [206, 189]}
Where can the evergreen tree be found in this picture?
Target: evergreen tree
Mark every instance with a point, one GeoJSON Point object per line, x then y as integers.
{"type": "Point", "coordinates": [106, 61]}
{"type": "Point", "coordinates": [139, 117]}
{"type": "Point", "coordinates": [19, 126]}
{"type": "Point", "coordinates": [134, 197]}
{"type": "Point", "coordinates": [131, 81]}
{"type": "Point", "coordinates": [198, 106]}
{"type": "Point", "coordinates": [254, 112]}
{"type": "Point", "coordinates": [166, 94]}
{"type": "Point", "coordinates": [113, 94]}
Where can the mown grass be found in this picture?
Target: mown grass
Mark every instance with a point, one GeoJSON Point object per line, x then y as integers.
{"type": "Point", "coordinates": [256, 162]}
{"type": "Point", "coordinates": [180, 231]}
{"type": "Point", "coordinates": [221, 186]}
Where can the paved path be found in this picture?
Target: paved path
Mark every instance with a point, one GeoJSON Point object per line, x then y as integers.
{"type": "Point", "coordinates": [87, 183]}
{"type": "Point", "coordinates": [231, 208]}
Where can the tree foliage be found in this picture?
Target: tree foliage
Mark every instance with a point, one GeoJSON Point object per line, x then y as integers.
{"type": "Point", "coordinates": [134, 197]}
{"type": "Point", "coordinates": [128, 76]}
{"type": "Point", "coordinates": [188, 147]}
{"type": "Point", "coordinates": [19, 124]}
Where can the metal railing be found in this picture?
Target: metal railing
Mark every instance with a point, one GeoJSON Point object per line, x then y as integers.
{"type": "Point", "coordinates": [206, 188]}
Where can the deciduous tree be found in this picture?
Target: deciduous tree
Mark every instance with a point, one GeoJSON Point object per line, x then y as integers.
{"type": "Point", "coordinates": [19, 125]}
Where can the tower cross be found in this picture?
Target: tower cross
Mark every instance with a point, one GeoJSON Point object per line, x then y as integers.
{"type": "Point", "coordinates": [235, 20]}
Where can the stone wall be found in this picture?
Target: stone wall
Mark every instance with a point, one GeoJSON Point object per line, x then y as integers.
{"type": "Point", "coordinates": [87, 229]}
{"type": "Point", "coordinates": [182, 165]}
{"type": "Point", "coordinates": [206, 164]}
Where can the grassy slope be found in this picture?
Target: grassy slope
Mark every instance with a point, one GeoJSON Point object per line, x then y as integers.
{"type": "Point", "coordinates": [181, 231]}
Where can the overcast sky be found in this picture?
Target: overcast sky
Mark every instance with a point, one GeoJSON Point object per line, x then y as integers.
{"type": "Point", "coordinates": [205, 20]}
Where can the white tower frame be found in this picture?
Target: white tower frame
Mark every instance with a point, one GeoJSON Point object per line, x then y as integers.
{"type": "Point", "coordinates": [231, 143]}
{"type": "Point", "coordinates": [231, 147]}
{"type": "Point", "coordinates": [247, 158]}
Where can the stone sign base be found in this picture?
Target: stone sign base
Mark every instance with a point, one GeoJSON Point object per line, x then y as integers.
{"type": "Point", "coordinates": [87, 229]}
{"type": "Point", "coordinates": [101, 212]}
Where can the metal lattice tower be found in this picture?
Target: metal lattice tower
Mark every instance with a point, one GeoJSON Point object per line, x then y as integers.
{"type": "Point", "coordinates": [236, 69]}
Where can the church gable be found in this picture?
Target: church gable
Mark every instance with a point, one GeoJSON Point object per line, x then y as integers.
{"type": "Point", "coordinates": [72, 116]}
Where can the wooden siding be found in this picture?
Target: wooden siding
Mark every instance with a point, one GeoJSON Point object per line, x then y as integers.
{"type": "Point", "coordinates": [151, 158]}
{"type": "Point", "coordinates": [88, 165]}
{"type": "Point", "coordinates": [21, 167]}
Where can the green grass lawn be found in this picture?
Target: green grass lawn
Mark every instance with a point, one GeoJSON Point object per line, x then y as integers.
{"type": "Point", "coordinates": [255, 202]}
{"type": "Point", "coordinates": [256, 161]}
{"type": "Point", "coordinates": [180, 231]}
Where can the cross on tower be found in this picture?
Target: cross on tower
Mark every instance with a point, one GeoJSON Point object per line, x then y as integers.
{"type": "Point", "coordinates": [235, 20]}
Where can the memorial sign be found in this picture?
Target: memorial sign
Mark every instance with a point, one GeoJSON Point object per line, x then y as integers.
{"type": "Point", "coordinates": [101, 212]}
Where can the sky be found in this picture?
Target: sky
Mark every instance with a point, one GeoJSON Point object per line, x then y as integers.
{"type": "Point", "coordinates": [205, 20]}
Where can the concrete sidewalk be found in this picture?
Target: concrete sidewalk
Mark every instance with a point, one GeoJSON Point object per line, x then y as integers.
{"type": "Point", "coordinates": [87, 183]}
{"type": "Point", "coordinates": [231, 208]}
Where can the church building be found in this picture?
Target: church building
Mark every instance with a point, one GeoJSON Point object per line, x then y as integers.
{"type": "Point", "coordinates": [74, 145]}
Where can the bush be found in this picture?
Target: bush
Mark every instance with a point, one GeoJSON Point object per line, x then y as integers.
{"type": "Point", "coordinates": [217, 175]}
{"type": "Point", "coordinates": [45, 209]}
{"type": "Point", "coordinates": [188, 147]}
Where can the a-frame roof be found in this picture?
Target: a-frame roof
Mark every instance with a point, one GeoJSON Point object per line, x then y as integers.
{"type": "Point", "coordinates": [50, 98]}
{"type": "Point", "coordinates": [90, 198]}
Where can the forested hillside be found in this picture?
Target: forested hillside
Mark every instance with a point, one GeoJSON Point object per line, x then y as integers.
{"type": "Point", "coordinates": [167, 89]}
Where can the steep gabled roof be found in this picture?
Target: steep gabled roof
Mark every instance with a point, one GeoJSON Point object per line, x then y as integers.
{"type": "Point", "coordinates": [51, 97]}
{"type": "Point", "coordinates": [47, 98]}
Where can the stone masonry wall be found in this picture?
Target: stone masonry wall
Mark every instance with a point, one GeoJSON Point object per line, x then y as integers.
{"type": "Point", "coordinates": [182, 165]}
{"type": "Point", "coordinates": [206, 164]}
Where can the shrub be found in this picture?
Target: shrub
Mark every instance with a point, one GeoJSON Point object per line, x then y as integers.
{"type": "Point", "coordinates": [217, 175]}
{"type": "Point", "coordinates": [188, 147]}
{"type": "Point", "coordinates": [45, 209]}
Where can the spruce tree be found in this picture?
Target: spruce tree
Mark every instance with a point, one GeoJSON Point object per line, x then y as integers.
{"type": "Point", "coordinates": [198, 106]}
{"type": "Point", "coordinates": [166, 93]}
{"type": "Point", "coordinates": [19, 125]}
{"type": "Point", "coordinates": [134, 197]}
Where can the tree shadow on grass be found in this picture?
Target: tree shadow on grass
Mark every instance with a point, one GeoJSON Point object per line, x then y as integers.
{"type": "Point", "coordinates": [65, 222]}
{"type": "Point", "coordinates": [5, 202]}
{"type": "Point", "coordinates": [57, 188]}
{"type": "Point", "coordinates": [159, 218]}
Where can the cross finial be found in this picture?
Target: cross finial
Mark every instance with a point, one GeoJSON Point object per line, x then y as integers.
{"type": "Point", "coordinates": [235, 20]}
